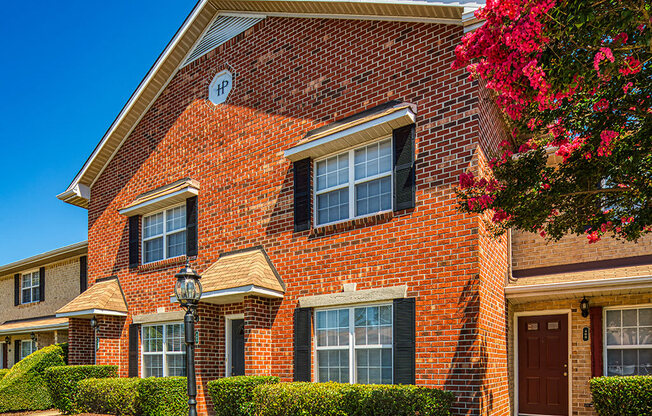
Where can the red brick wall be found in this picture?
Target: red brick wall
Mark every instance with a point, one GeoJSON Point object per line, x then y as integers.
{"type": "Point", "coordinates": [81, 342]}
{"type": "Point", "coordinates": [294, 75]}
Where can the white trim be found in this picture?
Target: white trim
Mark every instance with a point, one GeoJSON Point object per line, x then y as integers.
{"type": "Point", "coordinates": [569, 324]}
{"type": "Point", "coordinates": [165, 233]}
{"type": "Point", "coordinates": [241, 290]}
{"type": "Point", "coordinates": [408, 19]}
{"type": "Point", "coordinates": [604, 332]}
{"type": "Point", "coordinates": [582, 286]}
{"type": "Point", "coordinates": [173, 198]}
{"type": "Point", "coordinates": [39, 328]}
{"type": "Point", "coordinates": [31, 287]}
{"type": "Point", "coordinates": [89, 312]}
{"type": "Point", "coordinates": [43, 258]}
{"type": "Point", "coordinates": [228, 347]}
{"type": "Point", "coordinates": [164, 353]}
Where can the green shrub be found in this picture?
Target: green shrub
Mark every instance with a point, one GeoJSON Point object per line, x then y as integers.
{"type": "Point", "coordinates": [232, 395]}
{"type": "Point", "coordinates": [62, 382]}
{"type": "Point", "coordinates": [116, 396]}
{"type": "Point", "coordinates": [24, 387]}
{"type": "Point", "coordinates": [622, 396]}
{"type": "Point", "coordinates": [3, 372]}
{"type": "Point", "coordinates": [165, 396]}
{"type": "Point", "coordinates": [333, 399]}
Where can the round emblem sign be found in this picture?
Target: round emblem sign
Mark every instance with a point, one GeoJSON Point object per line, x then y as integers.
{"type": "Point", "coordinates": [220, 87]}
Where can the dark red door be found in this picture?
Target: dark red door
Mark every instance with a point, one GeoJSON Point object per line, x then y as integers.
{"type": "Point", "coordinates": [5, 361]}
{"type": "Point", "coordinates": [543, 365]}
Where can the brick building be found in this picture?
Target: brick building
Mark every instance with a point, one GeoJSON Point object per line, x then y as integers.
{"type": "Point", "coordinates": [33, 289]}
{"type": "Point", "coordinates": [304, 156]}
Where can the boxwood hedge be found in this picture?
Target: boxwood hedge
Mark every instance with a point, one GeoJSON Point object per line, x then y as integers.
{"type": "Point", "coordinates": [232, 395]}
{"type": "Point", "coordinates": [622, 396]}
{"type": "Point", "coordinates": [116, 396]}
{"type": "Point", "coordinates": [24, 387]}
{"type": "Point", "coordinates": [62, 382]}
{"type": "Point", "coordinates": [165, 396]}
{"type": "Point", "coordinates": [3, 372]}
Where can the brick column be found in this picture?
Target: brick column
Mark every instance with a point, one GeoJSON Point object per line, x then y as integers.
{"type": "Point", "coordinates": [80, 342]}
{"type": "Point", "coordinates": [258, 336]}
{"type": "Point", "coordinates": [109, 332]}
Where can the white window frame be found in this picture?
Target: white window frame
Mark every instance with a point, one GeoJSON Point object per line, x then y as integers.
{"type": "Point", "coordinates": [606, 347]}
{"type": "Point", "coordinates": [352, 347]}
{"type": "Point", "coordinates": [352, 182]}
{"type": "Point", "coordinates": [165, 351]}
{"type": "Point", "coordinates": [31, 287]}
{"type": "Point", "coordinates": [165, 232]}
{"type": "Point", "coordinates": [33, 347]}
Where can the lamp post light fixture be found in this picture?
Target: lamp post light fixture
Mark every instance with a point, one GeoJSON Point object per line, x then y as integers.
{"type": "Point", "coordinates": [584, 307]}
{"type": "Point", "coordinates": [7, 340]}
{"type": "Point", "coordinates": [188, 291]}
{"type": "Point", "coordinates": [33, 336]}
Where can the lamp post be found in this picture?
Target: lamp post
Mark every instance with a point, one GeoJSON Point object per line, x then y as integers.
{"type": "Point", "coordinates": [188, 291]}
{"type": "Point", "coordinates": [95, 326]}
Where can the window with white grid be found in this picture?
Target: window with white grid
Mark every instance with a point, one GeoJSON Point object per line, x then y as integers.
{"type": "Point", "coordinates": [30, 290]}
{"type": "Point", "coordinates": [354, 345]}
{"type": "Point", "coordinates": [164, 234]}
{"type": "Point", "coordinates": [628, 341]}
{"type": "Point", "coordinates": [163, 350]}
{"type": "Point", "coordinates": [26, 348]}
{"type": "Point", "coordinates": [355, 183]}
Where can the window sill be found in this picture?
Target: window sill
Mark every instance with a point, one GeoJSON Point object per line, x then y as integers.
{"type": "Point", "coordinates": [346, 225]}
{"type": "Point", "coordinates": [162, 264]}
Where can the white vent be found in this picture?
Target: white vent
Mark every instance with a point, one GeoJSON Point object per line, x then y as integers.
{"type": "Point", "coordinates": [221, 30]}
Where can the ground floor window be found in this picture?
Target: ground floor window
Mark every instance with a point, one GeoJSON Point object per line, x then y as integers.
{"type": "Point", "coordinates": [163, 350]}
{"type": "Point", "coordinates": [628, 341]}
{"type": "Point", "coordinates": [354, 345]}
{"type": "Point", "coordinates": [26, 348]}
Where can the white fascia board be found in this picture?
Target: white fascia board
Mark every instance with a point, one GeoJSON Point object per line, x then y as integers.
{"type": "Point", "coordinates": [37, 328]}
{"type": "Point", "coordinates": [307, 149]}
{"type": "Point", "coordinates": [169, 199]}
{"type": "Point", "coordinates": [127, 108]}
{"type": "Point", "coordinates": [238, 291]}
{"type": "Point", "coordinates": [89, 312]}
{"type": "Point", "coordinates": [408, 19]}
{"type": "Point", "coordinates": [582, 286]}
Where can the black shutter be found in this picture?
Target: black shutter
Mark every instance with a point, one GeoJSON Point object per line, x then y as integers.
{"type": "Point", "coordinates": [191, 226]}
{"type": "Point", "coordinates": [41, 284]}
{"type": "Point", "coordinates": [134, 329]}
{"type": "Point", "coordinates": [302, 344]}
{"type": "Point", "coordinates": [83, 274]}
{"type": "Point", "coordinates": [16, 351]}
{"type": "Point", "coordinates": [404, 345]}
{"type": "Point", "coordinates": [17, 289]}
{"type": "Point", "coordinates": [134, 241]}
{"type": "Point", "coordinates": [302, 194]}
{"type": "Point", "coordinates": [404, 170]}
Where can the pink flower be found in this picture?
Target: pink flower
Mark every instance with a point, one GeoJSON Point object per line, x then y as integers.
{"type": "Point", "coordinates": [606, 138]}
{"type": "Point", "coordinates": [467, 180]}
{"type": "Point", "coordinates": [604, 53]}
{"type": "Point", "coordinates": [626, 221]}
{"type": "Point", "coordinates": [632, 66]}
{"type": "Point", "coordinates": [621, 37]}
{"type": "Point", "coordinates": [593, 237]}
{"type": "Point", "coordinates": [601, 105]}
{"type": "Point", "coordinates": [499, 216]}
{"type": "Point", "coordinates": [627, 86]}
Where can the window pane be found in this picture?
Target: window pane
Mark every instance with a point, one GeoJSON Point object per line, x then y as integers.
{"type": "Point", "coordinates": [374, 366]}
{"type": "Point", "coordinates": [35, 279]}
{"type": "Point", "coordinates": [332, 328]}
{"type": "Point", "coordinates": [27, 280]}
{"type": "Point", "coordinates": [373, 325]}
{"type": "Point", "coordinates": [27, 295]}
{"type": "Point", "coordinates": [177, 244]}
{"type": "Point", "coordinates": [645, 317]}
{"type": "Point", "coordinates": [153, 225]}
{"type": "Point", "coordinates": [613, 319]}
{"type": "Point", "coordinates": [373, 159]}
{"type": "Point", "coordinates": [629, 336]}
{"type": "Point", "coordinates": [176, 365]}
{"type": "Point", "coordinates": [333, 206]}
{"type": "Point", "coordinates": [373, 196]}
{"type": "Point", "coordinates": [333, 365]}
{"type": "Point", "coordinates": [645, 335]}
{"type": "Point", "coordinates": [176, 219]}
{"type": "Point", "coordinates": [333, 171]}
{"type": "Point", "coordinates": [645, 362]}
{"type": "Point", "coordinates": [629, 317]}
{"type": "Point", "coordinates": [613, 336]}
{"type": "Point", "coordinates": [174, 338]}
{"type": "Point", "coordinates": [614, 362]}
{"type": "Point", "coordinates": [153, 338]}
{"type": "Point", "coordinates": [36, 294]}
{"type": "Point", "coordinates": [153, 365]}
{"type": "Point", "coordinates": [154, 250]}
{"type": "Point", "coordinates": [630, 362]}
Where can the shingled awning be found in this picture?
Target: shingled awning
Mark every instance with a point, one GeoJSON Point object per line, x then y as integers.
{"type": "Point", "coordinates": [105, 297]}
{"type": "Point", "coordinates": [21, 326]}
{"type": "Point", "coordinates": [240, 273]}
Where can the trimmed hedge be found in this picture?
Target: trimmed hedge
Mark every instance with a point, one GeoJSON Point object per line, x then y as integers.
{"type": "Point", "coordinates": [24, 387]}
{"type": "Point", "coordinates": [62, 382]}
{"type": "Point", "coordinates": [3, 372]}
{"type": "Point", "coordinates": [232, 395]}
{"type": "Point", "coordinates": [166, 396]}
{"type": "Point", "coordinates": [622, 396]}
{"type": "Point", "coordinates": [116, 396]}
{"type": "Point", "coordinates": [334, 399]}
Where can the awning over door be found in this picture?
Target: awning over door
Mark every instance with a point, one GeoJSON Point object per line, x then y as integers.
{"type": "Point", "coordinates": [240, 273]}
{"type": "Point", "coordinates": [21, 326]}
{"type": "Point", "coordinates": [105, 297]}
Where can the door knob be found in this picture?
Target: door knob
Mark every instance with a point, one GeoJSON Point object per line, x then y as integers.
{"type": "Point", "coordinates": [565, 374]}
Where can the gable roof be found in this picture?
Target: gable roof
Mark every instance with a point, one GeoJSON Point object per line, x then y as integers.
{"type": "Point", "coordinates": [197, 24]}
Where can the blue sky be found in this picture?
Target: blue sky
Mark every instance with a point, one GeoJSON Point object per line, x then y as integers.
{"type": "Point", "coordinates": [68, 68]}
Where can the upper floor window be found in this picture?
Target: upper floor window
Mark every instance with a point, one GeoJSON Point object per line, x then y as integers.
{"type": "Point", "coordinates": [26, 348]}
{"type": "Point", "coordinates": [354, 345]}
{"type": "Point", "coordinates": [164, 234]}
{"type": "Point", "coordinates": [354, 183]}
{"type": "Point", "coordinates": [163, 350]}
{"type": "Point", "coordinates": [30, 288]}
{"type": "Point", "coordinates": [628, 341]}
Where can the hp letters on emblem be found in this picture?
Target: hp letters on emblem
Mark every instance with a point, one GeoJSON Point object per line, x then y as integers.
{"type": "Point", "coordinates": [220, 87]}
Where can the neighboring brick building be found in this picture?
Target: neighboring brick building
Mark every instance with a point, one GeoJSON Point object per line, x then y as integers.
{"type": "Point", "coordinates": [304, 157]}
{"type": "Point", "coordinates": [33, 289]}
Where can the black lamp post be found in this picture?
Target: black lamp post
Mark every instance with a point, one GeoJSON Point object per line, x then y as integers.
{"type": "Point", "coordinates": [96, 341]}
{"type": "Point", "coordinates": [188, 291]}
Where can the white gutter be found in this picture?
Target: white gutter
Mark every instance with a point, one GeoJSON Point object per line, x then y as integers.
{"type": "Point", "coordinates": [44, 257]}
{"type": "Point", "coordinates": [242, 290]}
{"type": "Point", "coordinates": [91, 312]}
{"type": "Point", "coordinates": [41, 328]}
{"type": "Point", "coordinates": [582, 286]}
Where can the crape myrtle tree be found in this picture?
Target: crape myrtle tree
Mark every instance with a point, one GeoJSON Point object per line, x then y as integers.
{"type": "Point", "coordinates": [573, 79]}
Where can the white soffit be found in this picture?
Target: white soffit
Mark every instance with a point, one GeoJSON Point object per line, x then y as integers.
{"type": "Point", "coordinates": [223, 28]}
